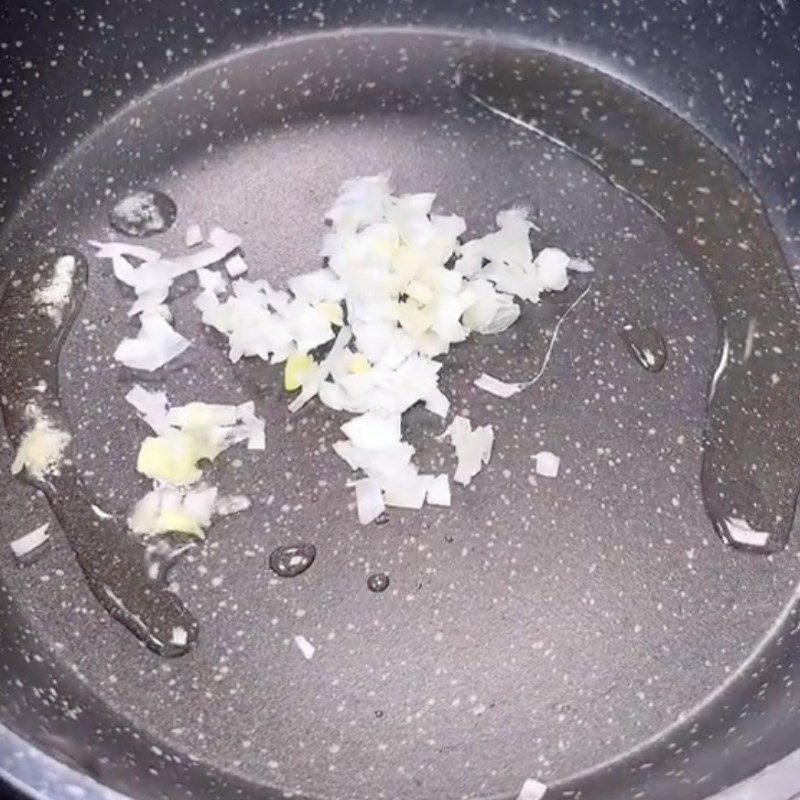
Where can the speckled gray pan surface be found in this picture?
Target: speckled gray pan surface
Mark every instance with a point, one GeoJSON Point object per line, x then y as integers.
{"type": "Point", "coordinates": [538, 627]}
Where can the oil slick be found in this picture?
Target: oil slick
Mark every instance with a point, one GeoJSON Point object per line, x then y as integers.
{"type": "Point", "coordinates": [111, 560]}
{"type": "Point", "coordinates": [751, 444]}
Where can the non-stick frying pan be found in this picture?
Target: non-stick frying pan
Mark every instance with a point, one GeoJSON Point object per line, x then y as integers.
{"type": "Point", "coordinates": [598, 631]}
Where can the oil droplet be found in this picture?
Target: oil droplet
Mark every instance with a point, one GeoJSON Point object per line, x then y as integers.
{"type": "Point", "coordinates": [31, 336]}
{"type": "Point", "coordinates": [292, 560]}
{"type": "Point", "coordinates": [646, 345]}
{"type": "Point", "coordinates": [379, 582]}
{"type": "Point", "coordinates": [143, 213]}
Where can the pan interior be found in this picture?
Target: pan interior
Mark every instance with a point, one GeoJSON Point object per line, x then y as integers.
{"type": "Point", "coordinates": [538, 626]}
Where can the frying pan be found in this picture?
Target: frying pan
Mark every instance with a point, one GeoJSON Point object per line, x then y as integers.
{"type": "Point", "coordinates": [597, 631]}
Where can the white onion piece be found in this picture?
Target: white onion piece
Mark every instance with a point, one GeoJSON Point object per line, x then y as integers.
{"type": "Point", "coordinates": [473, 448]}
{"type": "Point", "coordinates": [152, 406]}
{"type": "Point", "coordinates": [406, 491]}
{"type": "Point", "coordinates": [438, 491]}
{"type": "Point", "coordinates": [369, 501]}
{"type": "Point", "coordinates": [532, 790]}
{"type": "Point", "coordinates": [361, 202]}
{"type": "Point", "coordinates": [26, 544]}
{"type": "Point", "coordinates": [436, 402]}
{"type": "Point", "coordinates": [123, 249]}
{"type": "Point", "coordinates": [55, 294]}
{"type": "Point", "coordinates": [373, 431]}
{"type": "Point", "coordinates": [236, 266]}
{"type": "Point", "coordinates": [253, 426]}
{"type": "Point", "coordinates": [99, 513]}
{"type": "Point", "coordinates": [151, 301]}
{"type": "Point", "coordinates": [223, 244]}
{"type": "Point", "coordinates": [497, 387]}
{"type": "Point", "coordinates": [491, 311]}
{"type": "Point", "coordinates": [156, 344]}
{"type": "Point", "coordinates": [509, 245]}
{"type": "Point", "coordinates": [193, 236]}
{"type": "Point", "coordinates": [377, 463]}
{"type": "Point", "coordinates": [321, 285]}
{"type": "Point", "coordinates": [202, 414]}
{"type": "Point", "coordinates": [323, 370]}
{"type": "Point", "coordinates": [740, 531]}
{"type": "Point", "coordinates": [308, 326]}
{"type": "Point", "coordinates": [579, 265]}
{"type": "Point", "coordinates": [211, 281]}
{"type": "Point", "coordinates": [200, 504]}
{"type": "Point", "coordinates": [547, 464]}
{"type": "Point", "coordinates": [143, 519]}
{"type": "Point", "coordinates": [231, 504]}
{"type": "Point", "coordinates": [305, 647]}
{"type": "Point", "coordinates": [551, 268]}
{"type": "Point", "coordinates": [225, 240]}
{"type": "Point", "coordinates": [42, 447]}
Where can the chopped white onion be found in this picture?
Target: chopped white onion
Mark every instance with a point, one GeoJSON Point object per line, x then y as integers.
{"type": "Point", "coordinates": [231, 504]}
{"type": "Point", "coordinates": [310, 389]}
{"type": "Point", "coordinates": [211, 281]}
{"type": "Point", "coordinates": [579, 265]}
{"type": "Point", "coordinates": [305, 647]}
{"type": "Point", "coordinates": [369, 500]}
{"type": "Point", "coordinates": [547, 464]}
{"type": "Point", "coordinates": [236, 266]}
{"type": "Point", "coordinates": [152, 406]}
{"type": "Point", "coordinates": [42, 447]}
{"type": "Point", "coordinates": [55, 294]}
{"type": "Point", "coordinates": [497, 387]}
{"type": "Point", "coordinates": [114, 250]}
{"type": "Point", "coordinates": [405, 491]}
{"type": "Point", "coordinates": [473, 448]}
{"type": "Point", "coordinates": [26, 544]}
{"type": "Point", "coordinates": [188, 511]}
{"type": "Point", "coordinates": [491, 311]}
{"type": "Point", "coordinates": [740, 531]}
{"type": "Point", "coordinates": [372, 431]}
{"type": "Point", "coordinates": [438, 491]}
{"type": "Point", "coordinates": [252, 426]}
{"type": "Point", "coordinates": [389, 273]}
{"type": "Point", "coordinates": [156, 344]}
{"type": "Point", "coordinates": [187, 435]}
{"type": "Point", "coordinates": [532, 790]}
{"type": "Point", "coordinates": [551, 269]}
{"type": "Point", "coordinates": [193, 236]}
{"type": "Point", "coordinates": [194, 415]}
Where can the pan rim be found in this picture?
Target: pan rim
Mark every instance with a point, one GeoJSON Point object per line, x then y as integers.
{"type": "Point", "coordinates": [26, 766]}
